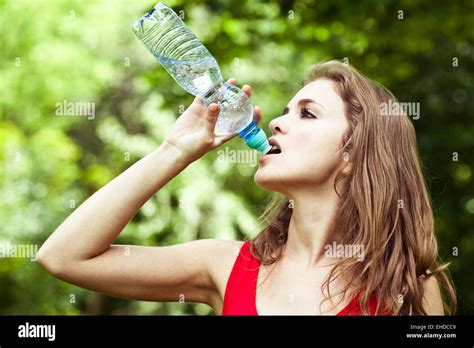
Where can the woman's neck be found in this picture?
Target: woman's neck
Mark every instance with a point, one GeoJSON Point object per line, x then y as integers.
{"type": "Point", "coordinates": [311, 227]}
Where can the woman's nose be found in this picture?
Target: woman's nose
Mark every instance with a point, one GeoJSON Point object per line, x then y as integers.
{"type": "Point", "coordinates": [275, 125]}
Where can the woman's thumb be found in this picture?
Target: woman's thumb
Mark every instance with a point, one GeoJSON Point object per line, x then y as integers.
{"type": "Point", "coordinates": [211, 117]}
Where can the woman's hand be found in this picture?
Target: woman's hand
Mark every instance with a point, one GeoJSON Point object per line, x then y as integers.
{"type": "Point", "coordinates": [193, 132]}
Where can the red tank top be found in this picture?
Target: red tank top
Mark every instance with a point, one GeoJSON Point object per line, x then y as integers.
{"type": "Point", "coordinates": [240, 292]}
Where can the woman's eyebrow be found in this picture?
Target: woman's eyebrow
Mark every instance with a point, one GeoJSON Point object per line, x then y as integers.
{"type": "Point", "coordinates": [302, 102]}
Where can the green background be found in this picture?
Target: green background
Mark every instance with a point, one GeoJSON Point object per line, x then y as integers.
{"type": "Point", "coordinates": [53, 51]}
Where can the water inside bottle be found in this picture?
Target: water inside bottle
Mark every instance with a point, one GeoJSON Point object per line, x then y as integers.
{"type": "Point", "coordinates": [196, 77]}
{"type": "Point", "coordinates": [192, 66]}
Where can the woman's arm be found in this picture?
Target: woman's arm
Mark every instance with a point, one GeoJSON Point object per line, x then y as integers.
{"type": "Point", "coordinates": [92, 227]}
{"type": "Point", "coordinates": [80, 249]}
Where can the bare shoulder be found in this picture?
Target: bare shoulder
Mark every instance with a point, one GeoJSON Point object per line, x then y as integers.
{"type": "Point", "coordinates": [213, 248]}
{"type": "Point", "coordinates": [219, 254]}
{"type": "Point", "coordinates": [224, 255]}
{"type": "Point", "coordinates": [432, 301]}
{"type": "Point", "coordinates": [221, 259]}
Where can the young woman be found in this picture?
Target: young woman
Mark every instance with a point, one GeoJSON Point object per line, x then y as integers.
{"type": "Point", "coordinates": [349, 232]}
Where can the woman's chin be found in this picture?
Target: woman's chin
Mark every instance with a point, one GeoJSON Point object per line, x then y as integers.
{"type": "Point", "coordinates": [266, 180]}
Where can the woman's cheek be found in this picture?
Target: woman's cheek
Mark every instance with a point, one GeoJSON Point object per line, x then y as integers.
{"type": "Point", "coordinates": [323, 161]}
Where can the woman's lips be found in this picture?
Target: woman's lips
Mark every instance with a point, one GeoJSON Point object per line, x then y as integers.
{"type": "Point", "coordinates": [267, 156]}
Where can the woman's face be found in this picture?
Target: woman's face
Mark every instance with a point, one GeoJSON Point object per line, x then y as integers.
{"type": "Point", "coordinates": [309, 135]}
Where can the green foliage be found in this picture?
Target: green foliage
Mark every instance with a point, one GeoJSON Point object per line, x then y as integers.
{"type": "Point", "coordinates": [57, 50]}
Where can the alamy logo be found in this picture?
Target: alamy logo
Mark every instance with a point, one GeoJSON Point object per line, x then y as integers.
{"type": "Point", "coordinates": [67, 108]}
{"type": "Point", "coordinates": [8, 250]}
{"type": "Point", "coordinates": [392, 108]}
{"type": "Point", "coordinates": [32, 331]}
{"type": "Point", "coordinates": [237, 156]}
{"type": "Point", "coordinates": [335, 250]}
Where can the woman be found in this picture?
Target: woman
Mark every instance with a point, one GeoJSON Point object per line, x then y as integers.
{"type": "Point", "coordinates": [350, 231]}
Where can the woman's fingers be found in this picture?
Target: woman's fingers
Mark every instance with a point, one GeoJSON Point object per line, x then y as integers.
{"type": "Point", "coordinates": [198, 101]}
{"type": "Point", "coordinates": [211, 117]}
{"type": "Point", "coordinates": [246, 88]}
{"type": "Point", "coordinates": [257, 113]}
{"type": "Point", "coordinates": [221, 139]}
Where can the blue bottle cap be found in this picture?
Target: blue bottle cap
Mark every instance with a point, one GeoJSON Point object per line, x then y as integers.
{"type": "Point", "coordinates": [258, 141]}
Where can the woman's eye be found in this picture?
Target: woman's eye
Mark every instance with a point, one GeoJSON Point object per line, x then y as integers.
{"type": "Point", "coordinates": [305, 113]}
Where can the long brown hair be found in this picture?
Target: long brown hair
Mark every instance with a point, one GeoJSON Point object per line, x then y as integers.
{"type": "Point", "coordinates": [384, 204]}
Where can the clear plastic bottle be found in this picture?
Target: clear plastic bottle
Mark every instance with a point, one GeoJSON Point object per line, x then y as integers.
{"type": "Point", "coordinates": [194, 68]}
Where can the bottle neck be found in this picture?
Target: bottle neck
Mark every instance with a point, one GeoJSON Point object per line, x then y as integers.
{"type": "Point", "coordinates": [255, 137]}
{"type": "Point", "coordinates": [213, 92]}
{"type": "Point", "coordinates": [249, 130]}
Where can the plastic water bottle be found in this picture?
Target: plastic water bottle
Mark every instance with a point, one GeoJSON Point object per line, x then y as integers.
{"type": "Point", "coordinates": [194, 68]}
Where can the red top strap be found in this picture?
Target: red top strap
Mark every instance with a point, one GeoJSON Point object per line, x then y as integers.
{"type": "Point", "coordinates": [239, 298]}
{"type": "Point", "coordinates": [240, 292]}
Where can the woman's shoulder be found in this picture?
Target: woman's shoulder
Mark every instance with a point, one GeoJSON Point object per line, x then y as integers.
{"type": "Point", "coordinates": [221, 258]}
